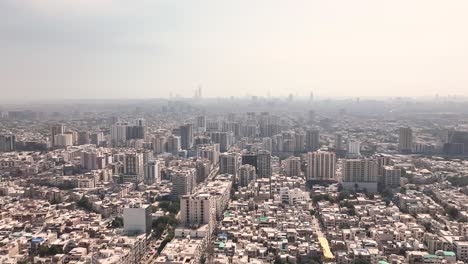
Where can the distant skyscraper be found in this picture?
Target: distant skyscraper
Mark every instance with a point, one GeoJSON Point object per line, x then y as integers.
{"type": "Point", "coordinates": [224, 139]}
{"type": "Point", "coordinates": [228, 163]}
{"type": "Point", "coordinates": [97, 138]}
{"type": "Point", "coordinates": [133, 167]}
{"type": "Point", "coordinates": [183, 182]}
{"type": "Point", "coordinates": [264, 164]}
{"type": "Point", "coordinates": [57, 129]}
{"type": "Point", "coordinates": [209, 152]}
{"type": "Point", "coordinates": [92, 159]}
{"type": "Point", "coordinates": [338, 142]}
{"type": "Point", "coordinates": [312, 140]}
{"type": "Point", "coordinates": [203, 167]}
{"type": "Point", "coordinates": [119, 133]}
{"type": "Point", "coordinates": [265, 124]}
{"type": "Point", "coordinates": [300, 142]}
{"type": "Point", "coordinates": [249, 158]}
{"type": "Point", "coordinates": [186, 136]}
{"type": "Point", "coordinates": [354, 147]}
{"type": "Point", "coordinates": [63, 140]}
{"type": "Point", "coordinates": [136, 129]}
{"type": "Point", "coordinates": [201, 123]}
{"type": "Point", "coordinates": [159, 144]}
{"type": "Point", "coordinates": [83, 138]}
{"type": "Point", "coordinates": [292, 166]}
{"type": "Point", "coordinates": [456, 143]}
{"type": "Point", "coordinates": [267, 144]}
{"type": "Point", "coordinates": [405, 140]}
{"type": "Point", "coordinates": [7, 142]}
{"type": "Point", "coordinates": [201, 140]}
{"type": "Point", "coordinates": [173, 144]}
{"type": "Point", "coordinates": [246, 174]}
{"type": "Point", "coordinates": [151, 172]}
{"type": "Point", "coordinates": [140, 122]}
{"type": "Point", "coordinates": [391, 177]}
{"type": "Point", "coordinates": [382, 162]}
{"type": "Point", "coordinates": [321, 166]}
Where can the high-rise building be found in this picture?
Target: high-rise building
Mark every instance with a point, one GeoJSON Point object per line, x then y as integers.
{"type": "Point", "coordinates": [267, 144]}
{"type": "Point", "coordinates": [97, 138]}
{"type": "Point", "coordinates": [292, 166]}
{"type": "Point", "coordinates": [264, 164]}
{"type": "Point", "coordinates": [133, 167]}
{"type": "Point", "coordinates": [456, 142]}
{"type": "Point", "coordinates": [151, 172]}
{"type": "Point", "coordinates": [300, 142]}
{"type": "Point", "coordinates": [203, 167]}
{"type": "Point", "coordinates": [338, 142]}
{"type": "Point", "coordinates": [249, 158]}
{"type": "Point", "coordinates": [7, 142]}
{"type": "Point", "coordinates": [201, 124]}
{"type": "Point", "coordinates": [354, 147]}
{"type": "Point", "coordinates": [159, 144]}
{"type": "Point", "coordinates": [135, 132]}
{"type": "Point", "coordinates": [264, 124]}
{"type": "Point", "coordinates": [140, 122]}
{"type": "Point", "coordinates": [312, 140]}
{"type": "Point", "coordinates": [119, 133]}
{"type": "Point", "coordinates": [246, 174]}
{"type": "Point", "coordinates": [186, 136]}
{"type": "Point", "coordinates": [137, 219]}
{"type": "Point", "coordinates": [198, 210]}
{"type": "Point", "coordinates": [92, 159]}
{"type": "Point", "coordinates": [278, 143]}
{"type": "Point", "coordinates": [249, 130]}
{"type": "Point", "coordinates": [209, 152]}
{"type": "Point", "coordinates": [201, 140]}
{"type": "Point", "coordinates": [321, 166]}
{"type": "Point", "coordinates": [360, 174]}
{"type": "Point", "coordinates": [212, 126]}
{"type": "Point", "coordinates": [360, 170]}
{"type": "Point", "coordinates": [382, 162]}
{"type": "Point", "coordinates": [173, 144]}
{"type": "Point", "coordinates": [83, 138]}
{"type": "Point", "coordinates": [183, 182]}
{"type": "Point", "coordinates": [63, 140]}
{"type": "Point", "coordinates": [57, 129]}
{"type": "Point", "coordinates": [405, 139]}
{"type": "Point", "coordinates": [228, 163]}
{"type": "Point", "coordinates": [391, 177]}
{"type": "Point", "coordinates": [224, 139]}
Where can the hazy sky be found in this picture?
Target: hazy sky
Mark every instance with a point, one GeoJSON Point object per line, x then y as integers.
{"type": "Point", "coordinates": [150, 48]}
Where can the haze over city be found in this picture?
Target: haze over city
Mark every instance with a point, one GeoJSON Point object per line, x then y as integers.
{"type": "Point", "coordinates": [233, 132]}
{"type": "Point", "coordinates": [53, 49]}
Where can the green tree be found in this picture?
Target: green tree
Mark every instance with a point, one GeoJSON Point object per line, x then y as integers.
{"type": "Point", "coordinates": [452, 212]}
{"type": "Point", "coordinates": [278, 260]}
{"type": "Point", "coordinates": [118, 222]}
{"type": "Point", "coordinates": [84, 203]}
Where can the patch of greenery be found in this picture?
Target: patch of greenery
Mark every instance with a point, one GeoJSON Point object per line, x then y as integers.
{"type": "Point", "coordinates": [458, 181]}
{"type": "Point", "coordinates": [172, 207]}
{"type": "Point", "coordinates": [85, 204]}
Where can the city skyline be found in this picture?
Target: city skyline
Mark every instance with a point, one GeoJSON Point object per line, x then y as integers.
{"type": "Point", "coordinates": [233, 132]}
